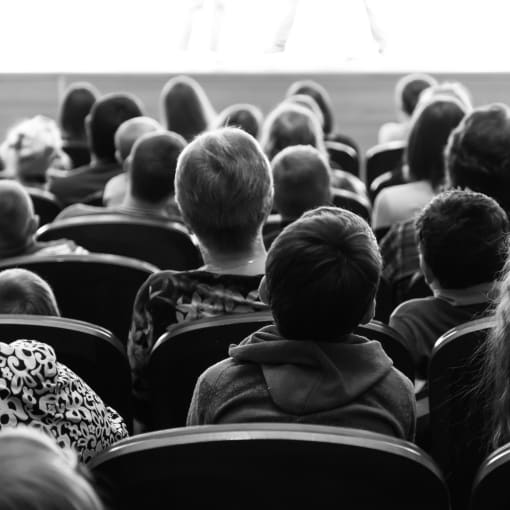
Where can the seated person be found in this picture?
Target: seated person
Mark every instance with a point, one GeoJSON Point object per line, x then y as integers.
{"type": "Point", "coordinates": [407, 94]}
{"type": "Point", "coordinates": [125, 137]}
{"type": "Point", "coordinates": [462, 242]}
{"type": "Point", "coordinates": [224, 190]}
{"type": "Point", "coordinates": [107, 114]}
{"type": "Point", "coordinates": [37, 473]}
{"type": "Point", "coordinates": [322, 274]}
{"type": "Point", "coordinates": [301, 178]}
{"type": "Point", "coordinates": [151, 174]}
{"type": "Point", "coordinates": [245, 116]}
{"type": "Point", "coordinates": [18, 226]}
{"type": "Point", "coordinates": [24, 292]}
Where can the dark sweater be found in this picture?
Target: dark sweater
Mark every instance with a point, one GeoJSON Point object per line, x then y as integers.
{"type": "Point", "coordinates": [351, 383]}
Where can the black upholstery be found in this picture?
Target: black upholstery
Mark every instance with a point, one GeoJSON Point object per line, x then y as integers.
{"type": "Point", "coordinates": [95, 288]}
{"type": "Point", "coordinates": [352, 202]}
{"type": "Point", "coordinates": [382, 158]}
{"type": "Point", "coordinates": [456, 413]}
{"type": "Point", "coordinates": [167, 245]}
{"type": "Point", "coordinates": [90, 351]}
{"type": "Point", "coordinates": [46, 205]}
{"type": "Point", "coordinates": [268, 466]}
{"type": "Point", "coordinates": [343, 156]}
{"type": "Point", "coordinates": [490, 488]}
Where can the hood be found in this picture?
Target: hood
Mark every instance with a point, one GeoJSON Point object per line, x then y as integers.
{"type": "Point", "coordinates": [305, 377]}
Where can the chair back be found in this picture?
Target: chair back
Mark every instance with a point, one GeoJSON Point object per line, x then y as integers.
{"type": "Point", "coordinates": [46, 205]}
{"type": "Point", "coordinates": [490, 485]}
{"type": "Point", "coordinates": [90, 351]}
{"type": "Point", "coordinates": [353, 202]}
{"type": "Point", "coordinates": [456, 412]}
{"type": "Point", "coordinates": [386, 180]}
{"type": "Point", "coordinates": [268, 466]}
{"type": "Point", "coordinates": [97, 288]}
{"type": "Point", "coordinates": [382, 158]}
{"type": "Point", "coordinates": [343, 156]}
{"type": "Point", "coordinates": [182, 354]}
{"type": "Point", "coordinates": [167, 245]}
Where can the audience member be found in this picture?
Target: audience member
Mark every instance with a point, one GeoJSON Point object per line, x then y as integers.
{"type": "Point", "coordinates": [308, 102]}
{"type": "Point", "coordinates": [18, 226]}
{"type": "Point", "coordinates": [224, 190]}
{"type": "Point", "coordinates": [301, 177]}
{"type": "Point", "coordinates": [107, 114]}
{"type": "Point", "coordinates": [407, 94]}
{"type": "Point", "coordinates": [462, 239]}
{"type": "Point", "coordinates": [76, 104]}
{"type": "Point", "coordinates": [151, 173]}
{"type": "Point", "coordinates": [36, 473]}
{"type": "Point", "coordinates": [185, 107]}
{"type": "Point", "coordinates": [245, 116]}
{"type": "Point", "coordinates": [325, 266]}
{"type": "Point", "coordinates": [424, 155]}
{"type": "Point", "coordinates": [125, 137]}
{"type": "Point", "coordinates": [24, 292]}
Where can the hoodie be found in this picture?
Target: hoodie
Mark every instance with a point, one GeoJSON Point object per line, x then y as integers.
{"type": "Point", "coordinates": [350, 383]}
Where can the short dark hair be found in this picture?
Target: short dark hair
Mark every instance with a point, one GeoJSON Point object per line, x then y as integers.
{"type": "Point", "coordinates": [432, 125]}
{"type": "Point", "coordinates": [409, 89]}
{"type": "Point", "coordinates": [322, 274]}
{"type": "Point", "coordinates": [152, 166]}
{"type": "Point", "coordinates": [245, 116]}
{"type": "Point", "coordinates": [478, 153]}
{"type": "Point", "coordinates": [224, 188]}
{"type": "Point", "coordinates": [107, 114]}
{"type": "Point", "coordinates": [75, 106]}
{"type": "Point", "coordinates": [463, 238]}
{"type": "Point", "coordinates": [301, 177]}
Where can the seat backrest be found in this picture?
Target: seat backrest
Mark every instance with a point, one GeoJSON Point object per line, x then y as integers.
{"type": "Point", "coordinates": [490, 488]}
{"type": "Point", "coordinates": [167, 245]}
{"type": "Point", "coordinates": [46, 205]}
{"type": "Point", "coordinates": [393, 344]}
{"type": "Point", "coordinates": [386, 180]}
{"type": "Point", "coordinates": [96, 288]}
{"type": "Point", "coordinates": [343, 156]}
{"type": "Point", "coordinates": [90, 351]}
{"type": "Point", "coordinates": [352, 202]}
{"type": "Point", "coordinates": [382, 158]}
{"type": "Point", "coordinates": [182, 354]}
{"type": "Point", "coordinates": [257, 466]}
{"type": "Point", "coordinates": [456, 412]}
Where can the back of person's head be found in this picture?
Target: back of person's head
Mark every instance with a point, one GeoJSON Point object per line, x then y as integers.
{"type": "Point", "coordinates": [185, 107]}
{"type": "Point", "coordinates": [432, 124]}
{"type": "Point", "coordinates": [322, 275]}
{"type": "Point", "coordinates": [478, 153]}
{"type": "Point", "coordinates": [75, 106]}
{"type": "Point", "coordinates": [308, 102]}
{"type": "Point", "coordinates": [463, 238]}
{"type": "Point", "coordinates": [290, 124]}
{"type": "Point", "coordinates": [37, 474]}
{"type": "Point", "coordinates": [321, 97]}
{"type": "Point", "coordinates": [152, 165]}
{"type": "Point", "coordinates": [24, 292]}
{"type": "Point", "coordinates": [129, 132]}
{"type": "Point", "coordinates": [408, 91]}
{"type": "Point", "coordinates": [454, 89]}
{"type": "Point", "coordinates": [18, 222]}
{"type": "Point", "coordinates": [107, 114]}
{"type": "Point", "coordinates": [224, 189]}
{"type": "Point", "coordinates": [245, 116]}
{"type": "Point", "coordinates": [301, 177]}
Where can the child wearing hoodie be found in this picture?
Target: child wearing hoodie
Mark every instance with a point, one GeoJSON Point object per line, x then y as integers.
{"type": "Point", "coordinates": [322, 274]}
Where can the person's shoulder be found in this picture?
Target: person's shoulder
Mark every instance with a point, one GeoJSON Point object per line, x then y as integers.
{"type": "Point", "coordinates": [79, 210]}
{"type": "Point", "coordinates": [418, 306]}
{"type": "Point", "coordinates": [392, 132]}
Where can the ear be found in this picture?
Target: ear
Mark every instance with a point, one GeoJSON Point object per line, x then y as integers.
{"type": "Point", "coordinates": [369, 314]}
{"type": "Point", "coordinates": [87, 128]}
{"type": "Point", "coordinates": [263, 291]}
{"type": "Point", "coordinates": [425, 269]}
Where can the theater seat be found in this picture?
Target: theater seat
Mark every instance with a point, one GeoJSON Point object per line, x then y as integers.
{"type": "Point", "coordinates": [96, 288]}
{"type": "Point", "coordinates": [46, 205]}
{"type": "Point", "coordinates": [90, 351]}
{"type": "Point", "coordinates": [167, 245]}
{"type": "Point", "coordinates": [343, 156]}
{"type": "Point", "coordinates": [182, 354]}
{"type": "Point", "coordinates": [268, 466]}
{"type": "Point", "coordinates": [353, 202]}
{"type": "Point", "coordinates": [382, 158]}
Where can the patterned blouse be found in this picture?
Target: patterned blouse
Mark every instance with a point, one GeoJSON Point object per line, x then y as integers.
{"type": "Point", "coordinates": [38, 391]}
{"type": "Point", "coordinates": [169, 297]}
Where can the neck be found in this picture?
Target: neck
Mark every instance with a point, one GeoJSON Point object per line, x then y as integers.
{"type": "Point", "coordinates": [250, 262]}
{"type": "Point", "coordinates": [130, 202]}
